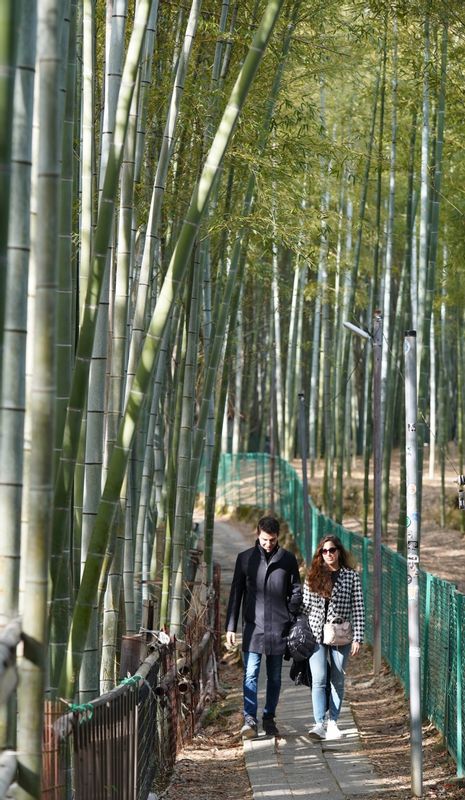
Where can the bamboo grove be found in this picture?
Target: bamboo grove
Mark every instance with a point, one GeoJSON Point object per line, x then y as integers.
{"type": "Point", "coordinates": [194, 197]}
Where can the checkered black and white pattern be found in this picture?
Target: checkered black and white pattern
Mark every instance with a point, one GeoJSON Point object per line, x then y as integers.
{"type": "Point", "coordinates": [346, 602]}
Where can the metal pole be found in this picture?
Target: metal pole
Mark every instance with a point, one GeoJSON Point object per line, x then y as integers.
{"type": "Point", "coordinates": [303, 451]}
{"type": "Point", "coordinates": [459, 682]}
{"type": "Point", "coordinates": [413, 561]}
{"type": "Point", "coordinates": [377, 481]}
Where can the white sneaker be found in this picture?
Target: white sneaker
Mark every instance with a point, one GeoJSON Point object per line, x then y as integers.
{"type": "Point", "coordinates": [332, 731]}
{"type": "Point", "coordinates": [317, 732]}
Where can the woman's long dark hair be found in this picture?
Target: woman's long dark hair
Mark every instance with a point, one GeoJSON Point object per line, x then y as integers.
{"type": "Point", "coordinates": [319, 575]}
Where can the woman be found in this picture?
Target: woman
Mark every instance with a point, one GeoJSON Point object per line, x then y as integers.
{"type": "Point", "coordinates": [331, 590]}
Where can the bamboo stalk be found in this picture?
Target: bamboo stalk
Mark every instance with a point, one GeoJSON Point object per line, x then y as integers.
{"type": "Point", "coordinates": [30, 699]}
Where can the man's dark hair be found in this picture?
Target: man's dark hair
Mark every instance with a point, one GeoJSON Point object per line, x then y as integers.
{"type": "Point", "coordinates": [268, 525]}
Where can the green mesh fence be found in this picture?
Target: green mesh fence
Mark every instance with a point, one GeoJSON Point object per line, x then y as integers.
{"type": "Point", "coordinates": [270, 483]}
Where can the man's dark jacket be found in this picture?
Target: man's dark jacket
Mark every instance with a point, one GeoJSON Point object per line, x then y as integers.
{"type": "Point", "coordinates": [270, 593]}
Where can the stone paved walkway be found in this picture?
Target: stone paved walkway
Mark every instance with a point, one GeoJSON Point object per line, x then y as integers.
{"type": "Point", "coordinates": [294, 766]}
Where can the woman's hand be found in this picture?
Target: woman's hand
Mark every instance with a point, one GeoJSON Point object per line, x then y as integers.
{"type": "Point", "coordinates": [355, 648]}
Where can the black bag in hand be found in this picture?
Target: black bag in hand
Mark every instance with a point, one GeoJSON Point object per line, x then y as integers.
{"type": "Point", "coordinates": [300, 673]}
{"type": "Point", "coordinates": [300, 639]}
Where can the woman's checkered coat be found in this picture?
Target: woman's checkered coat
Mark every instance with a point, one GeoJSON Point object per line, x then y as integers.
{"type": "Point", "coordinates": [346, 601]}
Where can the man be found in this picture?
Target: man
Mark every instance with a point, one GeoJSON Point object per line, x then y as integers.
{"type": "Point", "coordinates": [266, 581]}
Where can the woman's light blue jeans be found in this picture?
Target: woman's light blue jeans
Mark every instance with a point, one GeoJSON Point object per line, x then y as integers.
{"type": "Point", "coordinates": [319, 668]}
{"type": "Point", "coordinates": [252, 663]}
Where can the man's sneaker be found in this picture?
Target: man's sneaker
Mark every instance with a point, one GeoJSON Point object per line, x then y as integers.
{"type": "Point", "coordinates": [317, 732]}
{"type": "Point", "coordinates": [249, 728]}
{"type": "Point", "coordinates": [269, 726]}
{"type": "Point", "coordinates": [332, 731]}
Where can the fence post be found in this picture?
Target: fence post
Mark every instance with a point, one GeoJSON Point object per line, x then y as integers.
{"type": "Point", "coordinates": [256, 481]}
{"type": "Point", "coordinates": [314, 528]}
{"type": "Point", "coordinates": [264, 460]}
{"type": "Point", "coordinates": [238, 474]}
{"type": "Point", "coordinates": [223, 472]}
{"type": "Point", "coordinates": [426, 626]}
{"type": "Point", "coordinates": [365, 568]}
{"type": "Point", "coordinates": [459, 678]}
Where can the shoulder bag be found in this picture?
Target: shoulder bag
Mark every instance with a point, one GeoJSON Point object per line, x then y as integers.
{"type": "Point", "coordinates": [337, 632]}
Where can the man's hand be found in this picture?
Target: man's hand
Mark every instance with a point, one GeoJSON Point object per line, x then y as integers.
{"type": "Point", "coordinates": [230, 638]}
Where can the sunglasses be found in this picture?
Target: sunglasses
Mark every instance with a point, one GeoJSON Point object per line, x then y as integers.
{"type": "Point", "coordinates": [328, 550]}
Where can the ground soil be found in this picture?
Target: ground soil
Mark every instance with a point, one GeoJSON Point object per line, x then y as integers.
{"type": "Point", "coordinates": [442, 550]}
{"type": "Point", "coordinates": [212, 766]}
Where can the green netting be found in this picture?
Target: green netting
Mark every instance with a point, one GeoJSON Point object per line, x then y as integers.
{"type": "Point", "coordinates": [266, 483]}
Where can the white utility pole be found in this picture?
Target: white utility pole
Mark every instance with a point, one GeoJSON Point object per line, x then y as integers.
{"type": "Point", "coordinates": [377, 489]}
{"type": "Point", "coordinates": [413, 561]}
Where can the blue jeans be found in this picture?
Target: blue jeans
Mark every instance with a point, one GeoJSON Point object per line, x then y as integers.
{"type": "Point", "coordinates": [252, 663]}
{"type": "Point", "coordinates": [319, 668]}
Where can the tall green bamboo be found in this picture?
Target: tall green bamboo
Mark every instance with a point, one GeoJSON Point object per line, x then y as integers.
{"type": "Point", "coordinates": [443, 406]}
{"type": "Point", "coordinates": [94, 429]}
{"type": "Point", "coordinates": [433, 230]}
{"type": "Point", "coordinates": [427, 284]}
{"type": "Point", "coordinates": [389, 358]}
{"type": "Point", "coordinates": [216, 83]}
{"type": "Point", "coordinates": [30, 699]}
{"type": "Point", "coordinates": [374, 298]}
{"type": "Point", "coordinates": [15, 273]}
{"type": "Point", "coordinates": [424, 192]}
{"type": "Point", "coordinates": [387, 276]}
{"type": "Point", "coordinates": [123, 267]}
{"type": "Point", "coordinates": [116, 14]}
{"type": "Point", "coordinates": [8, 22]}
{"type": "Point", "coordinates": [293, 364]}
{"type": "Point", "coordinates": [459, 320]}
{"type": "Point", "coordinates": [87, 148]}
{"type": "Point", "coordinates": [345, 344]}
{"type": "Point", "coordinates": [238, 383]}
{"type": "Point", "coordinates": [294, 380]}
{"type": "Point", "coordinates": [13, 356]}
{"type": "Point", "coordinates": [395, 396]}
{"type": "Point", "coordinates": [276, 315]}
{"type": "Point", "coordinates": [112, 596]}
{"type": "Point", "coordinates": [184, 497]}
{"type": "Point", "coordinates": [145, 79]}
{"type": "Point", "coordinates": [173, 403]}
{"type": "Point", "coordinates": [67, 281]}
{"type": "Point", "coordinates": [210, 495]}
